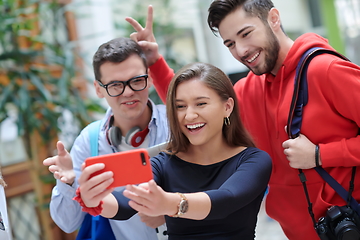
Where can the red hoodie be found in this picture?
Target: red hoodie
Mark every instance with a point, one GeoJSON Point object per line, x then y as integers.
{"type": "Point", "coordinates": [331, 119]}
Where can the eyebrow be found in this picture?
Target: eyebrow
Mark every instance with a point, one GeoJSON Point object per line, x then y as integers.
{"type": "Point", "coordinates": [237, 34]}
{"type": "Point", "coordinates": [198, 98]}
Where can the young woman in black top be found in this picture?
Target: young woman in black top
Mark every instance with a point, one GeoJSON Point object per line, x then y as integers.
{"type": "Point", "coordinates": [210, 182]}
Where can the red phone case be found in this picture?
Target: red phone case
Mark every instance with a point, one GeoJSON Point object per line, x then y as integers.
{"type": "Point", "coordinates": [129, 167]}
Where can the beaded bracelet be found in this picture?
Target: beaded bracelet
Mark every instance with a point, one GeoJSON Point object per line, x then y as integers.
{"type": "Point", "coordinates": [94, 211]}
{"type": "Point", "coordinates": [317, 148]}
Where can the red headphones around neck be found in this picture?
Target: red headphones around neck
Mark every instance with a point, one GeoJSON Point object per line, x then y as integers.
{"type": "Point", "coordinates": [135, 136]}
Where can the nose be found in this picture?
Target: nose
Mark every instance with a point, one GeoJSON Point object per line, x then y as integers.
{"type": "Point", "coordinates": [128, 91]}
{"type": "Point", "coordinates": [190, 114]}
{"type": "Point", "coordinates": [241, 50]}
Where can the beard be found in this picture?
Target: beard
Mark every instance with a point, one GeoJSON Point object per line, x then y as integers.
{"type": "Point", "coordinates": [271, 51]}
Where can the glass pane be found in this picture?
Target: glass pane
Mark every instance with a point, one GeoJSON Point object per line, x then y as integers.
{"type": "Point", "coordinates": [23, 217]}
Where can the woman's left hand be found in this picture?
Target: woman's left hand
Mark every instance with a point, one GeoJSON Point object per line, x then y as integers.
{"type": "Point", "coordinates": [150, 199]}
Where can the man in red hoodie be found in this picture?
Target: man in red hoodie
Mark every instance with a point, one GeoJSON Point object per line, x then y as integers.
{"type": "Point", "coordinates": [252, 31]}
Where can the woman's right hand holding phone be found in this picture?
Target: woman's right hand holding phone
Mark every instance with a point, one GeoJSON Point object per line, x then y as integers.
{"type": "Point", "coordinates": [93, 187]}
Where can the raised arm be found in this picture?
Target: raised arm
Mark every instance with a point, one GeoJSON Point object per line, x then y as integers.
{"type": "Point", "coordinates": [145, 37]}
{"type": "Point", "coordinates": [160, 72]}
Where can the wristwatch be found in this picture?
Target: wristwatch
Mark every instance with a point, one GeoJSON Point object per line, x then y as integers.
{"type": "Point", "coordinates": [183, 206]}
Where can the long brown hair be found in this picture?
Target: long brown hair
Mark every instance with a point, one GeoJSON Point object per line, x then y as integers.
{"type": "Point", "coordinates": [235, 134]}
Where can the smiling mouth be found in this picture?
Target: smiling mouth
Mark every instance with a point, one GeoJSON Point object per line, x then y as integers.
{"type": "Point", "coordinates": [130, 103]}
{"type": "Point", "coordinates": [195, 127]}
{"type": "Point", "coordinates": [253, 58]}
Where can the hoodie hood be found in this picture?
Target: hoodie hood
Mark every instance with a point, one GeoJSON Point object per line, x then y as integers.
{"type": "Point", "coordinates": [278, 85]}
{"type": "Point", "coordinates": [277, 91]}
{"type": "Point", "coordinates": [301, 45]}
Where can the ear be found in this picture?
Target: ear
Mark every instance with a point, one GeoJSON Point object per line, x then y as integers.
{"type": "Point", "coordinates": [98, 90]}
{"type": "Point", "coordinates": [274, 19]}
{"type": "Point", "coordinates": [229, 106]}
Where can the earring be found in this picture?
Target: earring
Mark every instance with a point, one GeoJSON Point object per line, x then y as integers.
{"type": "Point", "coordinates": [227, 121]}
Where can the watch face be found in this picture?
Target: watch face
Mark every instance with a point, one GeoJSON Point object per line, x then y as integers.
{"type": "Point", "coordinates": [183, 206]}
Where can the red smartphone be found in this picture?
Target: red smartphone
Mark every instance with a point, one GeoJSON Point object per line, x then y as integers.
{"type": "Point", "coordinates": [129, 167]}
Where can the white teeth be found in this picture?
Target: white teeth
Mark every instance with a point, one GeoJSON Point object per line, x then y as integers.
{"type": "Point", "coordinates": [195, 125]}
{"type": "Point", "coordinates": [253, 58]}
{"type": "Point", "coordinates": [129, 103]}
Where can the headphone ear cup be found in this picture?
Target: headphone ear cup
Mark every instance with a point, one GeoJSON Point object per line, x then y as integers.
{"type": "Point", "coordinates": [115, 136]}
{"type": "Point", "coordinates": [130, 137]}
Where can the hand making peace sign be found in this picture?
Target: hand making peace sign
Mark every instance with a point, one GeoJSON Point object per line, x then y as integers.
{"type": "Point", "coordinates": [145, 37]}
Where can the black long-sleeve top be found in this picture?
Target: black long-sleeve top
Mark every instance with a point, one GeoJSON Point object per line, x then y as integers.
{"type": "Point", "coordinates": [235, 186]}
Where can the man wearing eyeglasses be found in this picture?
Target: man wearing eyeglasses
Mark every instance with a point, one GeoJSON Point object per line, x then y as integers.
{"type": "Point", "coordinates": [132, 121]}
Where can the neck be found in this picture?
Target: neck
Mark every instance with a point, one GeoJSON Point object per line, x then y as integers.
{"type": "Point", "coordinates": [210, 153]}
{"type": "Point", "coordinates": [126, 124]}
{"type": "Point", "coordinates": [285, 45]}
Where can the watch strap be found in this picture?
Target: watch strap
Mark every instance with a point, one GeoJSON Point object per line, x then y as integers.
{"type": "Point", "coordinates": [180, 210]}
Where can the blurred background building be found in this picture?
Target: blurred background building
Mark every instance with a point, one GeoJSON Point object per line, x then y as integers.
{"type": "Point", "coordinates": [46, 93]}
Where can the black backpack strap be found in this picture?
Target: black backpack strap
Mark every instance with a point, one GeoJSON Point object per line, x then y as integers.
{"type": "Point", "coordinates": [339, 189]}
{"type": "Point", "coordinates": [300, 95]}
{"type": "Point", "coordinates": [299, 100]}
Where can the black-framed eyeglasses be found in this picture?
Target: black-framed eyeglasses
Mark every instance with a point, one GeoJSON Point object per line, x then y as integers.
{"type": "Point", "coordinates": [117, 88]}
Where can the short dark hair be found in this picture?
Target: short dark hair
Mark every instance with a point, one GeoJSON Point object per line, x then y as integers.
{"type": "Point", "coordinates": [235, 133]}
{"type": "Point", "coordinates": [219, 9]}
{"type": "Point", "coordinates": [116, 50]}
